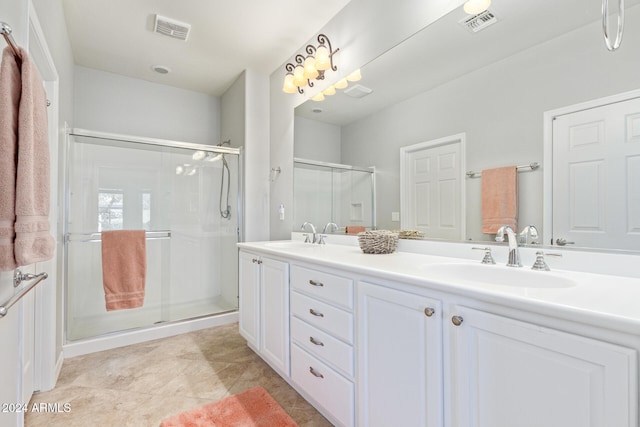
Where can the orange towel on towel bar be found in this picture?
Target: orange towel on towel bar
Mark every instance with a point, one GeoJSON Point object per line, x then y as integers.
{"type": "Point", "coordinates": [34, 242]}
{"type": "Point", "coordinates": [124, 268]}
{"type": "Point", "coordinates": [499, 198]}
{"type": "Point", "coordinates": [9, 105]}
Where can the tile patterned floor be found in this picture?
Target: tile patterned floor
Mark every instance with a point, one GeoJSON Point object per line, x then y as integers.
{"type": "Point", "coordinates": [139, 385]}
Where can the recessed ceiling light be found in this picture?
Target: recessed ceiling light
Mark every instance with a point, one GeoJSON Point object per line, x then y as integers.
{"type": "Point", "coordinates": [161, 69]}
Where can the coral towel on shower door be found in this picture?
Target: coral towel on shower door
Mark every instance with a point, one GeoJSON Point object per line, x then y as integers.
{"type": "Point", "coordinates": [124, 268]}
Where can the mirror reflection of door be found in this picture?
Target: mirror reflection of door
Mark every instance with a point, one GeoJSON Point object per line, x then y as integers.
{"type": "Point", "coordinates": [596, 176]}
{"type": "Point", "coordinates": [432, 191]}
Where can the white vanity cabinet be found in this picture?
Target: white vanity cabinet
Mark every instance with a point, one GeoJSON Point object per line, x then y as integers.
{"type": "Point", "coordinates": [264, 307]}
{"type": "Point", "coordinates": [418, 355]}
{"type": "Point", "coordinates": [322, 338]}
{"type": "Point", "coordinates": [505, 372]}
{"type": "Point", "coordinates": [399, 358]}
{"type": "Point", "coordinates": [377, 343]}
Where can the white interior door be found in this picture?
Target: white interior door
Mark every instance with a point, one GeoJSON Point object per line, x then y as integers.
{"type": "Point", "coordinates": [432, 191]}
{"type": "Point", "coordinates": [596, 176]}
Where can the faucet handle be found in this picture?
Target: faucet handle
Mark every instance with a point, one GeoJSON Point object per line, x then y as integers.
{"type": "Point", "coordinates": [306, 238]}
{"type": "Point", "coordinates": [540, 264]}
{"type": "Point", "coordinates": [488, 258]}
{"type": "Point", "coordinates": [321, 239]}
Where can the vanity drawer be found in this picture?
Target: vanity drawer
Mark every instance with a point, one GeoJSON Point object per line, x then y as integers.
{"type": "Point", "coordinates": [323, 346]}
{"type": "Point", "coordinates": [329, 287]}
{"type": "Point", "coordinates": [328, 388]}
{"type": "Point", "coordinates": [333, 320]}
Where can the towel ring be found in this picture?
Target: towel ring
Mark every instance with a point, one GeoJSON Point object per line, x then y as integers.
{"type": "Point", "coordinates": [605, 25]}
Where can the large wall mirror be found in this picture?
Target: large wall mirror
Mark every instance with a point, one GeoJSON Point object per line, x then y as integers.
{"type": "Point", "coordinates": [491, 81]}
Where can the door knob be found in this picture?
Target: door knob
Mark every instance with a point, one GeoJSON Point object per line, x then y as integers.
{"type": "Point", "coordinates": [561, 242]}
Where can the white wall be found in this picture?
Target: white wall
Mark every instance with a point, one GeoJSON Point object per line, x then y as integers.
{"type": "Point", "coordinates": [256, 156]}
{"type": "Point", "coordinates": [503, 119]}
{"type": "Point", "coordinates": [232, 111]}
{"type": "Point", "coordinates": [362, 30]}
{"type": "Point", "coordinates": [112, 103]}
{"type": "Point", "coordinates": [317, 141]}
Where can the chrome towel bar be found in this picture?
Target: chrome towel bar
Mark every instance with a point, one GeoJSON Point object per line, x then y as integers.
{"type": "Point", "coordinates": [96, 237]}
{"type": "Point", "coordinates": [6, 31]}
{"type": "Point", "coordinates": [18, 278]}
{"type": "Point", "coordinates": [530, 166]}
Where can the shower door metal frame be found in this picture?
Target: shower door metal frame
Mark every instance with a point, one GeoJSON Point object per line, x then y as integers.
{"type": "Point", "coordinates": [69, 132]}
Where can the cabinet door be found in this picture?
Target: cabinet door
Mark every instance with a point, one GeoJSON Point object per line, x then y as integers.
{"type": "Point", "coordinates": [505, 373]}
{"type": "Point", "coordinates": [399, 358]}
{"type": "Point", "coordinates": [249, 292]}
{"type": "Point", "coordinates": [274, 316]}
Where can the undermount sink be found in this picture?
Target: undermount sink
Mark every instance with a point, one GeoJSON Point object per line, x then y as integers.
{"type": "Point", "coordinates": [293, 245]}
{"type": "Point", "coordinates": [496, 275]}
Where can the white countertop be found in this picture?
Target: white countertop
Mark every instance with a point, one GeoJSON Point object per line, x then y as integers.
{"type": "Point", "coordinates": [603, 300]}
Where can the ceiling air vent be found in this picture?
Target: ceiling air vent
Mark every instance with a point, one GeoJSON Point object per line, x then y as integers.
{"type": "Point", "coordinates": [357, 91]}
{"type": "Point", "coordinates": [479, 22]}
{"type": "Point", "coordinates": [171, 27]}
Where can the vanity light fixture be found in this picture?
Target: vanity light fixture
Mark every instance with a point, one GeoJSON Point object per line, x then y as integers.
{"type": "Point", "coordinates": [331, 90]}
{"type": "Point", "coordinates": [474, 7]}
{"type": "Point", "coordinates": [341, 84]}
{"type": "Point", "coordinates": [311, 67]}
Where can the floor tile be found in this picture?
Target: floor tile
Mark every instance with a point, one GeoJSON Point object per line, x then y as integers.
{"type": "Point", "coordinates": [141, 384]}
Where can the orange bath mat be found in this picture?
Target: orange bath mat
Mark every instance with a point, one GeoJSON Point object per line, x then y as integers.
{"type": "Point", "coordinates": [253, 407]}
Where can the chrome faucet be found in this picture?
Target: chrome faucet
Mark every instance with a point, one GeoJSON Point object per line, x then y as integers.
{"type": "Point", "coordinates": [329, 226]}
{"type": "Point", "coordinates": [528, 235]}
{"type": "Point", "coordinates": [514, 253]}
{"type": "Point", "coordinates": [313, 230]}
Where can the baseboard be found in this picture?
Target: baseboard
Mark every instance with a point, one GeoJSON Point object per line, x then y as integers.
{"type": "Point", "coordinates": [137, 336]}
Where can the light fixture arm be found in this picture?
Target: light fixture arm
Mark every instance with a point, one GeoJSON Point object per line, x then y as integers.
{"type": "Point", "coordinates": [290, 67]}
{"type": "Point", "coordinates": [300, 60]}
{"type": "Point", "coordinates": [323, 39]}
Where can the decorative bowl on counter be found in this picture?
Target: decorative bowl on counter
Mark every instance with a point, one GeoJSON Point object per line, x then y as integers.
{"type": "Point", "coordinates": [378, 241]}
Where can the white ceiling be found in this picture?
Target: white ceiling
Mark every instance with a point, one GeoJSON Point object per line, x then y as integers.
{"type": "Point", "coordinates": [226, 37]}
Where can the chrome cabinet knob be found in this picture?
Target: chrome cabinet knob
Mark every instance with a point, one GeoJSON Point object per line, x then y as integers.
{"type": "Point", "coordinates": [457, 320]}
{"type": "Point", "coordinates": [429, 311]}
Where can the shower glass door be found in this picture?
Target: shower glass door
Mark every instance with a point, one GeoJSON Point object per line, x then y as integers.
{"type": "Point", "coordinates": [186, 199]}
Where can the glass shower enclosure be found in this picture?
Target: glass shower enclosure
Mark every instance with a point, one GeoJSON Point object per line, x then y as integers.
{"type": "Point", "coordinates": [187, 199]}
{"type": "Point", "coordinates": [330, 192]}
